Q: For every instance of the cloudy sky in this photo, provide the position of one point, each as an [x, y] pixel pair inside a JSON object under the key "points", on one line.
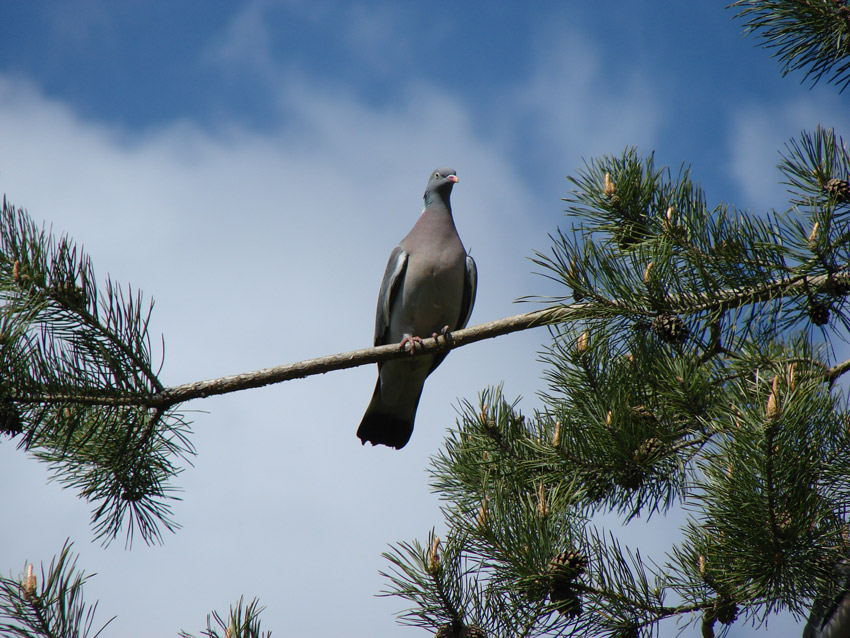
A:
{"points": [[250, 167]]}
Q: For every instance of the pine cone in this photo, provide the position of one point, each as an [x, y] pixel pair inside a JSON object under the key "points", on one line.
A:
{"points": [[725, 611], [629, 232], [535, 588], [567, 566], [466, 631], [563, 570], [631, 477], [566, 602], [818, 313], [644, 416], [69, 294], [839, 189], [836, 286], [670, 328], [648, 449]]}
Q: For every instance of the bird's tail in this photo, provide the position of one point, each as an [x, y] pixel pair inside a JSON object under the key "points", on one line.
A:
{"points": [[382, 425]]}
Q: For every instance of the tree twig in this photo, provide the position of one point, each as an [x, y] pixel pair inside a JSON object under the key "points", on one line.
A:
{"points": [[837, 370]]}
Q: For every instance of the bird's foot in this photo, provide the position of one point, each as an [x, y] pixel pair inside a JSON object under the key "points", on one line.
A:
{"points": [[445, 333], [415, 342]]}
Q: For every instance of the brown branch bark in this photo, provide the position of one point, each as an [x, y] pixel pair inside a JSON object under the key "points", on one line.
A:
{"points": [[722, 301], [321, 365], [837, 370]]}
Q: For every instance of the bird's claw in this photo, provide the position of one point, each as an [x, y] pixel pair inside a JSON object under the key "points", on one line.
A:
{"points": [[414, 343], [445, 333]]}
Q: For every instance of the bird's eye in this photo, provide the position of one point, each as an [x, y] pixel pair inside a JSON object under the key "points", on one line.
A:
{"points": [[436, 176]]}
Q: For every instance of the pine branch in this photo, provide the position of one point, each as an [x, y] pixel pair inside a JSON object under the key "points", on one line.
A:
{"points": [[55, 609], [837, 370], [139, 363], [243, 621], [354, 358], [51, 605], [812, 36], [718, 301]]}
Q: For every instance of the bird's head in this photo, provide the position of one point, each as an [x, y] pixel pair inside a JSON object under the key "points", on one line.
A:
{"points": [[440, 184]]}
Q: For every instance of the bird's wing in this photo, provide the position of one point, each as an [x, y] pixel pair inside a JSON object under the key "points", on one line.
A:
{"points": [[393, 276], [470, 287]]}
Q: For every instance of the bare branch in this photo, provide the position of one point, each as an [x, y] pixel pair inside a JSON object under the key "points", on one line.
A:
{"points": [[720, 301], [354, 358], [837, 370]]}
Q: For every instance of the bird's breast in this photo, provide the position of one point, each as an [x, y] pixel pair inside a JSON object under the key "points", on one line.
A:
{"points": [[431, 295]]}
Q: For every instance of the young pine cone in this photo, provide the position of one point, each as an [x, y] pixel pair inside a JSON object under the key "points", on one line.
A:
{"points": [[839, 189], [670, 328]]}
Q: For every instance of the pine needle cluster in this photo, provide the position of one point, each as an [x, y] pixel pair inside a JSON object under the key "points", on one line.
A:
{"points": [[812, 36], [700, 376], [49, 604], [242, 621], [79, 381]]}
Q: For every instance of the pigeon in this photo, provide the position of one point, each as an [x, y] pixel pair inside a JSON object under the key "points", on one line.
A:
{"points": [[428, 290]]}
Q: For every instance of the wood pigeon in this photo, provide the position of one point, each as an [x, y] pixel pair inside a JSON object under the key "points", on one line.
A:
{"points": [[428, 290]]}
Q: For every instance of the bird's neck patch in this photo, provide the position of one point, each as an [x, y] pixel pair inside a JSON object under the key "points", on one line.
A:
{"points": [[433, 198]]}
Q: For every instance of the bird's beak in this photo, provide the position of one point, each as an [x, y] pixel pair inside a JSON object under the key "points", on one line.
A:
{"points": [[452, 178]]}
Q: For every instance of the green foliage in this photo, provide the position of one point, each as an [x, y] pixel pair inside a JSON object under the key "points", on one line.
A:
{"points": [[813, 37], [442, 583], [55, 609], [79, 381], [699, 376], [243, 621], [51, 605]]}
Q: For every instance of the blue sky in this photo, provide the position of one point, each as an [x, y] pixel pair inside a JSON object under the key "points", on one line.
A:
{"points": [[251, 165]]}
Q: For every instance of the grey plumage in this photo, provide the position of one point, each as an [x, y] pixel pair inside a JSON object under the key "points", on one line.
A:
{"points": [[429, 284]]}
